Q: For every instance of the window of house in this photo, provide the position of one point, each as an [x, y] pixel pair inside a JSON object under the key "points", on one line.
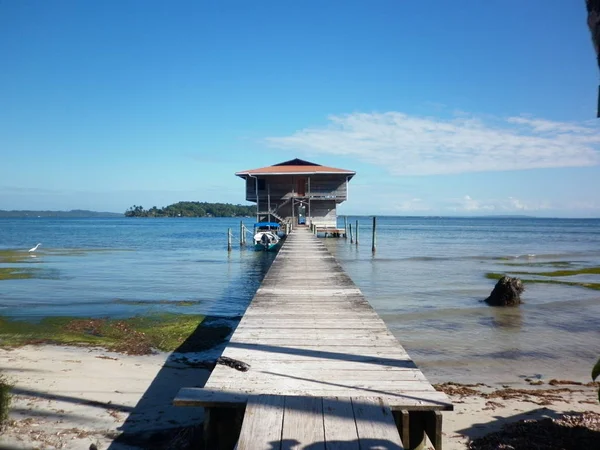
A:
{"points": [[262, 185]]}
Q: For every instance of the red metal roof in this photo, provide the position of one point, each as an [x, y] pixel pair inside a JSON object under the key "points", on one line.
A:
{"points": [[295, 166]]}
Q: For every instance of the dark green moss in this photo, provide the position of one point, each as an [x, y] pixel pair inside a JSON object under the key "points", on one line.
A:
{"points": [[566, 273]]}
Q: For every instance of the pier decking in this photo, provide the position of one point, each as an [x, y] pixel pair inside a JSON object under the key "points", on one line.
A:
{"points": [[310, 332]]}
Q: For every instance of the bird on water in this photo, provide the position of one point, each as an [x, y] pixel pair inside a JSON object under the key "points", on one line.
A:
{"points": [[34, 248]]}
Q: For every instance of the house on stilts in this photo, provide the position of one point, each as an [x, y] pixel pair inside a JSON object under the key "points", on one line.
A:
{"points": [[297, 192]]}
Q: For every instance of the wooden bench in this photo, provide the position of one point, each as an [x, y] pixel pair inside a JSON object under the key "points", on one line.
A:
{"points": [[312, 423]]}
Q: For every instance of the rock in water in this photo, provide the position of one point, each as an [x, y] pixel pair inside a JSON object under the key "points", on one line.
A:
{"points": [[507, 292]]}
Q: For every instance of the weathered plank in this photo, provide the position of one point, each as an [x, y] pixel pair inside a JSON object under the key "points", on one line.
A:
{"points": [[303, 422], [339, 424], [411, 401], [263, 423], [375, 424]]}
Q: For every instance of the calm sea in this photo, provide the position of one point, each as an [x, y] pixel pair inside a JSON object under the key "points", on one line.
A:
{"points": [[427, 280]]}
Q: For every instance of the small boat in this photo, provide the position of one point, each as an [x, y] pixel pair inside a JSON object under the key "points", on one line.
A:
{"points": [[266, 237]]}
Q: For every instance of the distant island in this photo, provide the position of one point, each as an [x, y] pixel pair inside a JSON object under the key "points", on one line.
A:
{"points": [[193, 209], [71, 213]]}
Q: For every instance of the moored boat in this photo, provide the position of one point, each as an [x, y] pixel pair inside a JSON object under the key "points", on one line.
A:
{"points": [[266, 237]]}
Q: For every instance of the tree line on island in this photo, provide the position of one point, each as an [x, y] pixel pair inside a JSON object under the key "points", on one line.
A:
{"points": [[193, 209]]}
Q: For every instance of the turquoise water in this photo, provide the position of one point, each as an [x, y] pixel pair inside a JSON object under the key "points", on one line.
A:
{"points": [[126, 266], [427, 280]]}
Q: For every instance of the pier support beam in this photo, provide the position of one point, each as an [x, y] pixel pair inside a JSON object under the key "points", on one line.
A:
{"points": [[222, 427]]}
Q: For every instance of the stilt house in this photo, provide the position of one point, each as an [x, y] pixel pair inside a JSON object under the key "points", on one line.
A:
{"points": [[297, 191]]}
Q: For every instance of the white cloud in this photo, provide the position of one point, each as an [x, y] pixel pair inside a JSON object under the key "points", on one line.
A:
{"points": [[469, 204], [413, 145], [502, 205]]}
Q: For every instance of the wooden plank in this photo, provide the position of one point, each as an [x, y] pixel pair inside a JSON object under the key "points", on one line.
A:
{"points": [[263, 423], [388, 350], [372, 356], [326, 341], [321, 387], [375, 424], [317, 336], [341, 376], [325, 364], [339, 425], [303, 422], [410, 401]]}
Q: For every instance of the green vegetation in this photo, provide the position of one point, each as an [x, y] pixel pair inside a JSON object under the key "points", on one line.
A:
{"points": [[193, 209], [136, 335], [14, 256], [21, 273], [71, 213], [13, 273], [595, 286], [5, 398], [565, 273]]}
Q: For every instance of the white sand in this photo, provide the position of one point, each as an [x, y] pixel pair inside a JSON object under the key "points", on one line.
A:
{"points": [[70, 397]]}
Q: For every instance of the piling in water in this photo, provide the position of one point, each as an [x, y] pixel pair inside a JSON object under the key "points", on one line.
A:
{"points": [[374, 240]]}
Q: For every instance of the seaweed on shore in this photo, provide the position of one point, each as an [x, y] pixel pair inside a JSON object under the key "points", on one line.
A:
{"points": [[136, 335], [568, 432]]}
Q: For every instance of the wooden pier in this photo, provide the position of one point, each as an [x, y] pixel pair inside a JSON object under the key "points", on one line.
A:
{"points": [[310, 333]]}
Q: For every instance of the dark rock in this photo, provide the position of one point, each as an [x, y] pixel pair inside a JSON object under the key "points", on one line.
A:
{"points": [[507, 292]]}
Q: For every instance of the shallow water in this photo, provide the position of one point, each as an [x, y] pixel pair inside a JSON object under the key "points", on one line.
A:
{"points": [[427, 280], [123, 267]]}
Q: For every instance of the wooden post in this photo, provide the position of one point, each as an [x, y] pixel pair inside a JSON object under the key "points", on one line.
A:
{"points": [[345, 226], [357, 232], [228, 239], [374, 240], [242, 233], [351, 238]]}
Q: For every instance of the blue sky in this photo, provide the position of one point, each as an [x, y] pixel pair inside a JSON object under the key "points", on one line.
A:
{"points": [[459, 108]]}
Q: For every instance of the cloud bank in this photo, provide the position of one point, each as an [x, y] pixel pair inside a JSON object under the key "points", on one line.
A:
{"points": [[412, 145]]}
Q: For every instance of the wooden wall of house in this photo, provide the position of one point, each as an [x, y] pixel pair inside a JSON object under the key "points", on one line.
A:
{"points": [[281, 187], [323, 213]]}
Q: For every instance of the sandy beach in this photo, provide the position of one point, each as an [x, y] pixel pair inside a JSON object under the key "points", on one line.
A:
{"points": [[73, 397]]}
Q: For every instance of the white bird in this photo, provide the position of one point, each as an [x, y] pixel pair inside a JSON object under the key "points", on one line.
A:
{"points": [[34, 248]]}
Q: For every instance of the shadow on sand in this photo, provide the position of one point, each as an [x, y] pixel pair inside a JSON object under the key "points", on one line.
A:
{"points": [[154, 423]]}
